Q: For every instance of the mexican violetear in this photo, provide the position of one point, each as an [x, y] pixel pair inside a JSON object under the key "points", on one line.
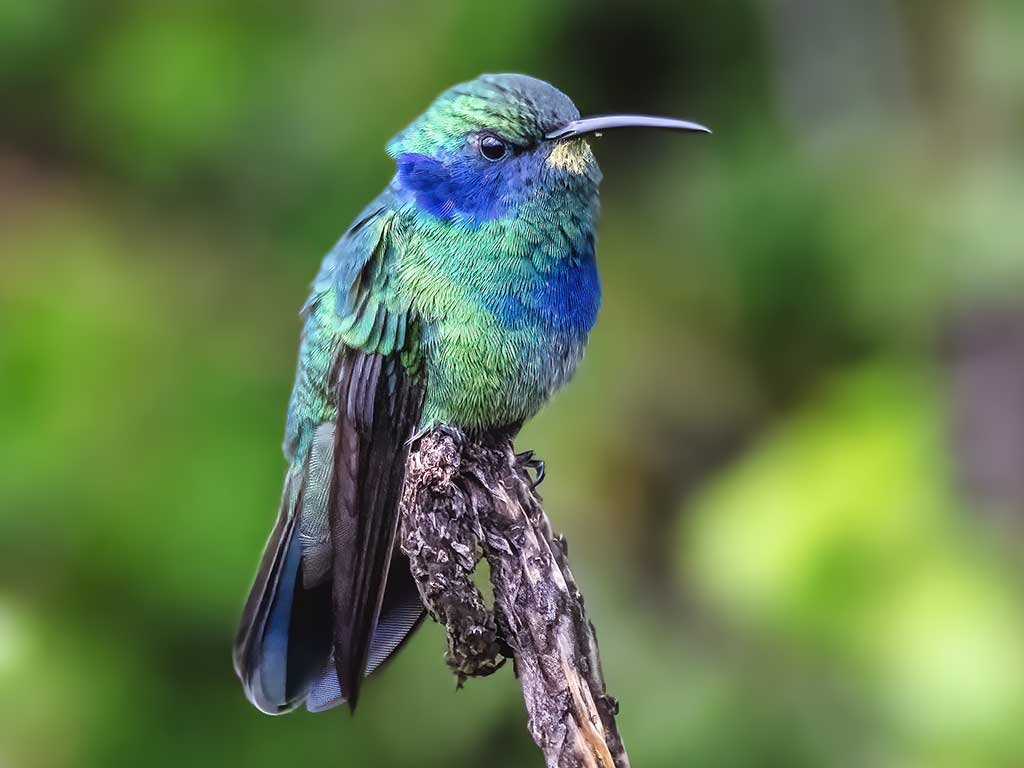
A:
{"points": [[462, 295]]}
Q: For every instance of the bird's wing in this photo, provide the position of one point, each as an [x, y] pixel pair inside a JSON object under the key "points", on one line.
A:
{"points": [[313, 624]]}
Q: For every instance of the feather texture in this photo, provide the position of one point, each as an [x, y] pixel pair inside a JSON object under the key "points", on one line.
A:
{"points": [[463, 294], [326, 579], [379, 405]]}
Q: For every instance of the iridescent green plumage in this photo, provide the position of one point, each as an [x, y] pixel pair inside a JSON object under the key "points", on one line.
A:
{"points": [[464, 294]]}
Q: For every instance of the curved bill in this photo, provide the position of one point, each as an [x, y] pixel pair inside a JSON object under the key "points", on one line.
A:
{"points": [[609, 122]]}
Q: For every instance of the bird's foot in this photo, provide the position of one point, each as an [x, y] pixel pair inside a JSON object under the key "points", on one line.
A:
{"points": [[527, 460]]}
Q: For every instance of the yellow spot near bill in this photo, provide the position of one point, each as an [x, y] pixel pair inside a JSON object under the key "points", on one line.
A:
{"points": [[574, 156]]}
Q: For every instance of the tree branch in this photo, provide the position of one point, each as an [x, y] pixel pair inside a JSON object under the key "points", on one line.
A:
{"points": [[470, 498]]}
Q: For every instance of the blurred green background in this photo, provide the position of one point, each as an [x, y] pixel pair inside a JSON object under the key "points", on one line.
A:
{"points": [[791, 466]]}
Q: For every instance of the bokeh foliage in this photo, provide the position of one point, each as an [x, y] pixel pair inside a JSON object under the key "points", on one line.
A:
{"points": [[759, 465]]}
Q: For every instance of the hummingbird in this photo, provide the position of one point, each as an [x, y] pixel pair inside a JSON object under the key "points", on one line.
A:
{"points": [[462, 295]]}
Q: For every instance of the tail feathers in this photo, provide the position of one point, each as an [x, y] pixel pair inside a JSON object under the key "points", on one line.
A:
{"points": [[283, 653], [400, 615], [285, 633], [295, 662], [272, 667], [261, 646]]}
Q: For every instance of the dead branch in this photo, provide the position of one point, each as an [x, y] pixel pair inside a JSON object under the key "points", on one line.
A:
{"points": [[470, 498]]}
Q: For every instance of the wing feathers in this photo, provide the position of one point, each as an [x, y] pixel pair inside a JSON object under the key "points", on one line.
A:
{"points": [[381, 423], [325, 603]]}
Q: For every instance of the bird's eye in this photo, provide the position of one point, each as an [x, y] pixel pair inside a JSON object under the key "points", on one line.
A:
{"points": [[492, 148]]}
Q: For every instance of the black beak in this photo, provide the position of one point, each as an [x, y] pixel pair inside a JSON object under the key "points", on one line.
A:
{"points": [[608, 122]]}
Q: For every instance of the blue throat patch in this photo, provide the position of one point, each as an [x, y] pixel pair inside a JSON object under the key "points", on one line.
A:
{"points": [[457, 186]]}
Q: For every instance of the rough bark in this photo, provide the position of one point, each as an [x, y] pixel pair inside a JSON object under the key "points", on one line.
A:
{"points": [[470, 498]]}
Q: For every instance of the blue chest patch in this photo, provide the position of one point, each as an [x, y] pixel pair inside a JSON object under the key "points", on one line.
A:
{"points": [[562, 301]]}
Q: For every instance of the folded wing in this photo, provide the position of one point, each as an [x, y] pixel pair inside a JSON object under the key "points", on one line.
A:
{"points": [[333, 597]]}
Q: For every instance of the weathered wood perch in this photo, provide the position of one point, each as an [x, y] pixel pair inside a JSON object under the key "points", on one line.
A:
{"points": [[470, 498]]}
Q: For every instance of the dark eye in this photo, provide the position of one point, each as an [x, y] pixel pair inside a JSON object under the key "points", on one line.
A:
{"points": [[492, 148]]}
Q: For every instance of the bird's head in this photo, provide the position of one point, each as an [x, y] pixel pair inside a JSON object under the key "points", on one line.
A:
{"points": [[486, 148]]}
